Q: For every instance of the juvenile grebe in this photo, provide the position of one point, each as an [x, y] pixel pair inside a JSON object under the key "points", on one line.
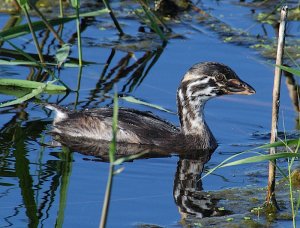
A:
{"points": [[202, 82]]}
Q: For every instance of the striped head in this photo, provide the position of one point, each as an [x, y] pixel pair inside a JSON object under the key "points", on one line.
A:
{"points": [[202, 82], [209, 79]]}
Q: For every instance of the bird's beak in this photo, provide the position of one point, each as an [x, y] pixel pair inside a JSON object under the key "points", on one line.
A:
{"points": [[235, 86]]}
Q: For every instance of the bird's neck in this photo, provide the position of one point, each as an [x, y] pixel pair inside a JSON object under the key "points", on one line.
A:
{"points": [[191, 116]]}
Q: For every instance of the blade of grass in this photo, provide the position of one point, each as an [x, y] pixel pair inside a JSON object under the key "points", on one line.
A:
{"points": [[153, 23], [136, 101], [36, 43], [29, 84], [224, 162], [78, 86], [286, 143], [289, 69], [21, 30], [76, 5], [291, 192], [29, 63], [48, 25], [253, 159], [113, 148], [289, 142], [261, 158], [28, 96], [32, 59], [61, 8], [112, 15], [298, 203], [112, 151], [66, 170]]}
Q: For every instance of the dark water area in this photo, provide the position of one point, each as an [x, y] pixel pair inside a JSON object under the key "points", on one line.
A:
{"points": [[46, 186]]}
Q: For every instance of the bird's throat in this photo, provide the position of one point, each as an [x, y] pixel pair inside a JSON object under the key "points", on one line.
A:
{"points": [[192, 120]]}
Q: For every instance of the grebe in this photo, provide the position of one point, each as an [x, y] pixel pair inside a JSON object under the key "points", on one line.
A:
{"points": [[202, 82]]}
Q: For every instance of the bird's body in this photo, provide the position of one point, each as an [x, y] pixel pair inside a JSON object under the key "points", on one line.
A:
{"points": [[98, 125], [202, 82]]}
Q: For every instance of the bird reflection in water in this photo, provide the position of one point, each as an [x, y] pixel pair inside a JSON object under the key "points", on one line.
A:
{"points": [[187, 191], [192, 202]]}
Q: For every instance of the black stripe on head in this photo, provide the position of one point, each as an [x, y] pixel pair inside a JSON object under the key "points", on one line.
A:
{"points": [[202, 86], [211, 68]]}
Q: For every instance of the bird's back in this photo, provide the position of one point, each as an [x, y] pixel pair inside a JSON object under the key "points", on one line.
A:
{"points": [[133, 126]]}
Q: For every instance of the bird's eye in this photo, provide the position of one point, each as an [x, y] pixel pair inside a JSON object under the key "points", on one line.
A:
{"points": [[220, 77]]}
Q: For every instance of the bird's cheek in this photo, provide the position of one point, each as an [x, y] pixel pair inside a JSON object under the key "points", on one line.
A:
{"points": [[221, 91]]}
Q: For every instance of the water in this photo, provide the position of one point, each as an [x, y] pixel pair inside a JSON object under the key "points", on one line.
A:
{"points": [[52, 187]]}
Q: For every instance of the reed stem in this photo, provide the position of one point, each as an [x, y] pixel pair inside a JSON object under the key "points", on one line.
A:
{"points": [[41, 57], [78, 33], [61, 8], [270, 199], [112, 15], [107, 196], [112, 151], [48, 25]]}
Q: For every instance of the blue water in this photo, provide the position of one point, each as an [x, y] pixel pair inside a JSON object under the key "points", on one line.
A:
{"points": [[143, 192]]}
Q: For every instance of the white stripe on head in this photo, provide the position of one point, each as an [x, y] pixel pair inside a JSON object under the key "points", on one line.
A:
{"points": [[59, 114]]}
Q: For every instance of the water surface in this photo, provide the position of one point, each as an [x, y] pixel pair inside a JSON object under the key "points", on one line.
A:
{"points": [[46, 186]]}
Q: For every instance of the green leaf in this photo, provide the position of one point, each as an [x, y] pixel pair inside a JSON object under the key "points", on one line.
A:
{"points": [[261, 158], [30, 84], [93, 13], [290, 70], [62, 54], [23, 3], [13, 91], [16, 63], [28, 96], [75, 3], [31, 63], [289, 142], [152, 19], [21, 30], [136, 101], [224, 162]]}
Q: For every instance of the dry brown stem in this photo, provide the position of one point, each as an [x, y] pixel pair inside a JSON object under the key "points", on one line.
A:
{"points": [[270, 199]]}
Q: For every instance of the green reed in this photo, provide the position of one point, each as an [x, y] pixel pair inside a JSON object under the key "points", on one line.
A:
{"points": [[113, 162], [76, 5], [112, 151], [24, 6], [113, 17], [65, 170], [152, 20]]}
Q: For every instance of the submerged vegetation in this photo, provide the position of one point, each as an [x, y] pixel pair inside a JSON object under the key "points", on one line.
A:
{"points": [[57, 47]]}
